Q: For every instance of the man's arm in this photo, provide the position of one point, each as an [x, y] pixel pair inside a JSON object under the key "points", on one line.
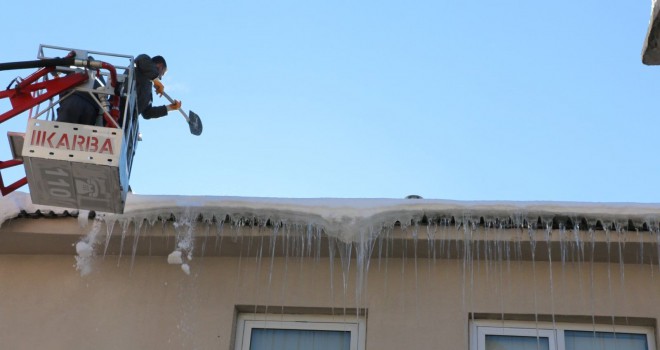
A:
{"points": [[152, 112]]}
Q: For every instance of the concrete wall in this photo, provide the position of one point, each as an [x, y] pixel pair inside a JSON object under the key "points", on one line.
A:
{"points": [[142, 302]]}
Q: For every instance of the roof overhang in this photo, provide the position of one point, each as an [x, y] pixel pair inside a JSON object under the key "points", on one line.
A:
{"points": [[154, 226], [343, 217], [651, 49]]}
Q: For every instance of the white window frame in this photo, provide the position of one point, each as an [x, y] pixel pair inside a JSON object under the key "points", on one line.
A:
{"points": [[483, 331], [356, 325], [555, 332]]}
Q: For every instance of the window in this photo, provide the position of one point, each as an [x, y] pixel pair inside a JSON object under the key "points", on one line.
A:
{"points": [[510, 335], [300, 332]]}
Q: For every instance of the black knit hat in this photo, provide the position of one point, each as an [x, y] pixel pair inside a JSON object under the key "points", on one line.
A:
{"points": [[159, 59]]}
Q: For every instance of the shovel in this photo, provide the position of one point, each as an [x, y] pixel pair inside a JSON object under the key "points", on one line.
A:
{"points": [[193, 120]]}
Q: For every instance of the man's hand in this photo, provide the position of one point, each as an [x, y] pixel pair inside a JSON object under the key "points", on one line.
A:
{"points": [[174, 106], [158, 86]]}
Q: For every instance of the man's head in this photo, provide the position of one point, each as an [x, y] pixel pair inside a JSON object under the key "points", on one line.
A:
{"points": [[161, 65]]}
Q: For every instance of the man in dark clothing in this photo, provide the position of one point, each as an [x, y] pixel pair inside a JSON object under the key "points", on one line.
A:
{"points": [[78, 108], [147, 71]]}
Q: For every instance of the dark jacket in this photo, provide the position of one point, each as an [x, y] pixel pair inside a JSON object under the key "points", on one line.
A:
{"points": [[80, 107], [145, 72]]}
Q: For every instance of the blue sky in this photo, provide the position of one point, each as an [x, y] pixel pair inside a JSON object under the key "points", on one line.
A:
{"points": [[460, 100]]}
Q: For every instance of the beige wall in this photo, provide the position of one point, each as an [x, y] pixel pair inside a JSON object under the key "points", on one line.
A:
{"points": [[142, 302]]}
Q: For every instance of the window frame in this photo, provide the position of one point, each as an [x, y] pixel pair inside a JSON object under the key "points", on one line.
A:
{"points": [[245, 322], [483, 331], [480, 328]]}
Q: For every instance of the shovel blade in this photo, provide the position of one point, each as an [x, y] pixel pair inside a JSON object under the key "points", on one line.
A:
{"points": [[195, 123]]}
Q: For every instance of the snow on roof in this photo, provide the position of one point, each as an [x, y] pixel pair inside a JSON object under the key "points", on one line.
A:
{"points": [[345, 218]]}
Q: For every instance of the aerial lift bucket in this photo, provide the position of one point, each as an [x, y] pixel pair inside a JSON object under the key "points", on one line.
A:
{"points": [[76, 166], [73, 165]]}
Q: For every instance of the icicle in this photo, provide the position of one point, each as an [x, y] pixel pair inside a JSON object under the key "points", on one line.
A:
{"points": [[415, 243], [207, 231], [500, 268], [564, 246], [124, 230], [83, 218], [361, 257], [285, 252], [622, 237], [332, 244], [366, 247], [109, 225], [431, 230], [657, 246], [345, 250], [592, 245], [388, 239], [608, 241], [531, 232], [273, 243], [548, 240], [578, 256], [220, 226], [258, 261], [136, 236], [468, 264]]}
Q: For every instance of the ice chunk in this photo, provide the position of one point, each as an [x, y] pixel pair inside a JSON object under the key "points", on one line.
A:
{"points": [[175, 258]]}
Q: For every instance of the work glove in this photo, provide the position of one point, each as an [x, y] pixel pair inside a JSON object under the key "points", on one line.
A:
{"points": [[158, 86], [174, 105]]}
